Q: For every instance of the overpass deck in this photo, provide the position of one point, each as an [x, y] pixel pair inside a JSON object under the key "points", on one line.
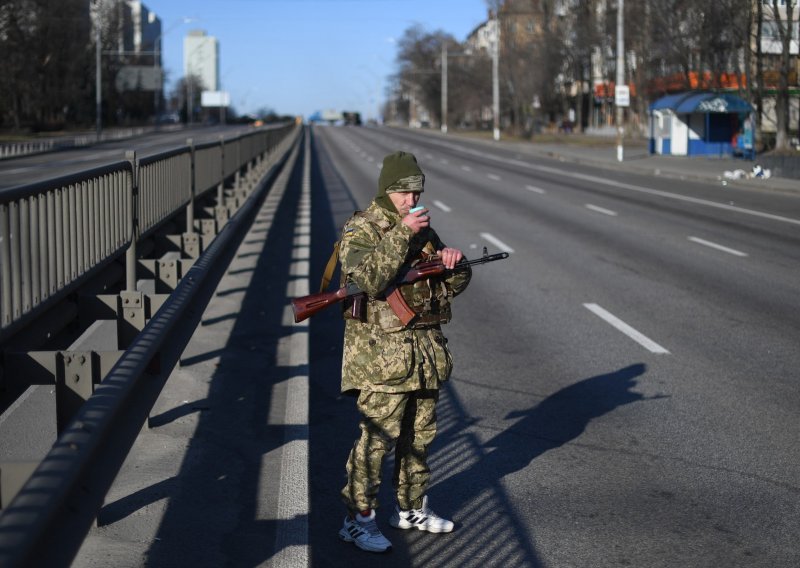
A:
{"points": [[217, 477]]}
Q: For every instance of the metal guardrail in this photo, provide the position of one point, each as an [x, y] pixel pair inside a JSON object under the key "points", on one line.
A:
{"points": [[31, 147], [56, 233], [47, 520], [17, 149]]}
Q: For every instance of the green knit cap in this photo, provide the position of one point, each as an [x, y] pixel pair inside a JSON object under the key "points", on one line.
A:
{"points": [[400, 172]]}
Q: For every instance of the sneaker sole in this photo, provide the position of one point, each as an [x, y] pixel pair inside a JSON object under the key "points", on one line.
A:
{"points": [[405, 525], [344, 537]]}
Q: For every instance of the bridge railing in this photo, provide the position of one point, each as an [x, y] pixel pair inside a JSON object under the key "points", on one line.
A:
{"points": [[52, 233], [46, 517], [55, 234]]}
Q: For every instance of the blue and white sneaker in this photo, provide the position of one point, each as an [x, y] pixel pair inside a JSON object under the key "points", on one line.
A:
{"points": [[423, 519], [364, 533]]}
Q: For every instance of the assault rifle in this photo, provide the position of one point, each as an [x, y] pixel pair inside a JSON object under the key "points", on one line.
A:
{"points": [[306, 306]]}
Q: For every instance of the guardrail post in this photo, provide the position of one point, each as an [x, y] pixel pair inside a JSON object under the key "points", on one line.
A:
{"points": [[74, 384], [5, 267], [133, 207], [131, 309], [190, 240], [26, 259], [221, 212], [190, 206]]}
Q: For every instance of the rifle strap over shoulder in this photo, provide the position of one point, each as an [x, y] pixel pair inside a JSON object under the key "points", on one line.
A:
{"points": [[330, 267], [334, 259]]}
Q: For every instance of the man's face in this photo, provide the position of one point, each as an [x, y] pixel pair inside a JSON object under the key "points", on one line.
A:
{"points": [[404, 200]]}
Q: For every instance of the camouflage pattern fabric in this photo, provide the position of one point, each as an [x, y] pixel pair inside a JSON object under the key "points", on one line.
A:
{"points": [[410, 183], [405, 422], [381, 354], [396, 371]]}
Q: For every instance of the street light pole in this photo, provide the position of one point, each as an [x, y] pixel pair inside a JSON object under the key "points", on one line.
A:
{"points": [[495, 78], [444, 87], [98, 74], [157, 68], [620, 73]]}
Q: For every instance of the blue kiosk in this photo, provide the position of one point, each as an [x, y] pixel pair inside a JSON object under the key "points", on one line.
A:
{"points": [[701, 123]]}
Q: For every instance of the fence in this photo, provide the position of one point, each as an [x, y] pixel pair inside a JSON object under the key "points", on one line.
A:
{"points": [[55, 234], [45, 521]]}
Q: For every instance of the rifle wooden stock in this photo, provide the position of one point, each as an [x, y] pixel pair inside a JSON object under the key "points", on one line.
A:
{"points": [[306, 306]]}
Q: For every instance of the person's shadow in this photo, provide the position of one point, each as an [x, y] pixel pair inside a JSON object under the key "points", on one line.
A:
{"points": [[555, 421]]}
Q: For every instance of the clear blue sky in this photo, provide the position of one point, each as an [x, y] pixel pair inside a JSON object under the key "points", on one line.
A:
{"points": [[301, 56]]}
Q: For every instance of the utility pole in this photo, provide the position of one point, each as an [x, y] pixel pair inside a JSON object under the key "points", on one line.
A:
{"points": [[495, 78], [444, 87], [98, 72], [620, 75]]}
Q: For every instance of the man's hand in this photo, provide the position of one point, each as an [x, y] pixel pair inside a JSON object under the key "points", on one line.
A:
{"points": [[450, 257], [417, 220]]}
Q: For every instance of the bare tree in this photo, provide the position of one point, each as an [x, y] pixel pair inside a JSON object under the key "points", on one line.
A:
{"points": [[45, 52], [187, 93], [784, 23], [419, 60]]}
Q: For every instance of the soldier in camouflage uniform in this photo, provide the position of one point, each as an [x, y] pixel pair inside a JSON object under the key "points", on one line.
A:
{"points": [[394, 369]]}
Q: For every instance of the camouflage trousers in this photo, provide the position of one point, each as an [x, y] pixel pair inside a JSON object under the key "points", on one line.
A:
{"points": [[404, 421]]}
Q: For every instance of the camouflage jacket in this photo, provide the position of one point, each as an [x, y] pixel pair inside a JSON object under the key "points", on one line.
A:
{"points": [[375, 247]]}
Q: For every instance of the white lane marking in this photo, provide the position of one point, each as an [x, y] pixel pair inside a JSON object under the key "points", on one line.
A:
{"points": [[684, 198], [638, 337], [445, 161], [704, 242], [620, 185], [535, 189], [442, 206], [466, 168], [601, 210], [495, 177], [496, 242], [291, 533]]}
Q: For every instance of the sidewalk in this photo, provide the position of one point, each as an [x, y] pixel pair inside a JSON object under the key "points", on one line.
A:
{"points": [[209, 480], [602, 152]]}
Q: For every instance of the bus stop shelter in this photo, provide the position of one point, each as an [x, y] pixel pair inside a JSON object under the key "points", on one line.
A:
{"points": [[700, 123]]}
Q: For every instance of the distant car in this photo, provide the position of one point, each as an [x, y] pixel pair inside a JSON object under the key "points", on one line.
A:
{"points": [[168, 118]]}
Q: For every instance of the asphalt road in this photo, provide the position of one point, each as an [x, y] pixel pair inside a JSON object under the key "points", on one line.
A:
{"points": [[30, 169], [624, 391], [625, 388]]}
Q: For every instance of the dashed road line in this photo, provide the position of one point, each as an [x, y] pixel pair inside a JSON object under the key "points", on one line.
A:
{"points": [[621, 185], [620, 325], [442, 206], [704, 242], [535, 189], [291, 533], [496, 242], [495, 177], [466, 168], [601, 210]]}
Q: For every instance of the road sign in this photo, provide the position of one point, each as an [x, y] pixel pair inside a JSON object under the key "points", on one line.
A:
{"points": [[622, 96]]}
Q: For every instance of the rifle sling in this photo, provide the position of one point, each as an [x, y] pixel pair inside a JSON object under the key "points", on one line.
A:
{"points": [[329, 268]]}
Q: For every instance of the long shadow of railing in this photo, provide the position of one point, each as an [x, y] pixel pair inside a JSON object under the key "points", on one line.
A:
{"points": [[214, 510], [215, 503], [334, 419]]}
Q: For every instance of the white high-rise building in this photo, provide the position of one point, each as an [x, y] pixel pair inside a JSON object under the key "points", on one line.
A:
{"points": [[201, 58]]}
